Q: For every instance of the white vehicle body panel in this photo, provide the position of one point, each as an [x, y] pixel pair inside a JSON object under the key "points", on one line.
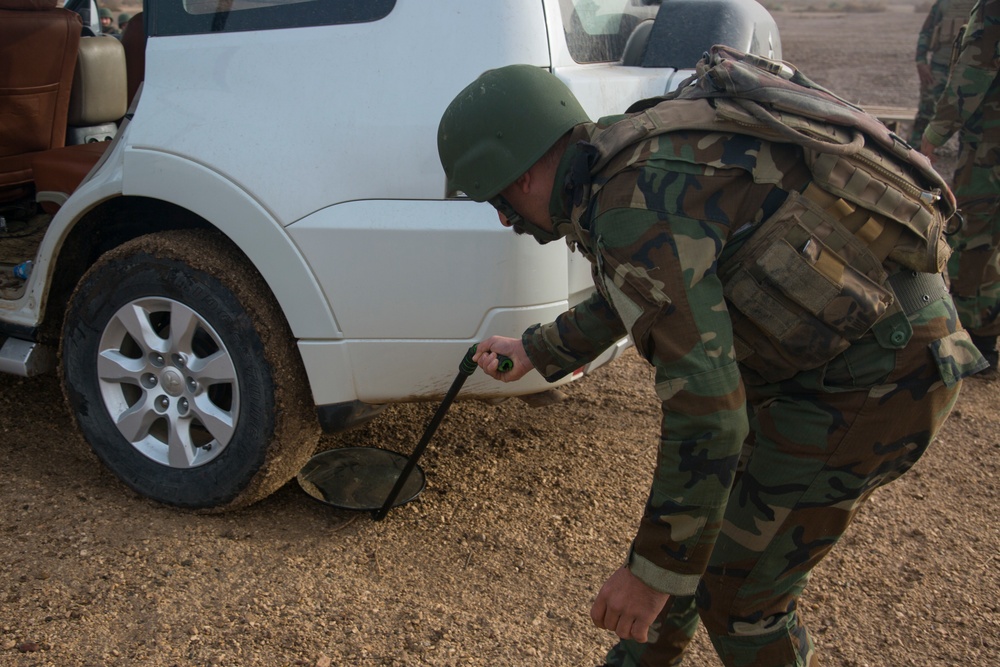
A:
{"points": [[293, 141], [314, 150], [441, 274], [357, 120]]}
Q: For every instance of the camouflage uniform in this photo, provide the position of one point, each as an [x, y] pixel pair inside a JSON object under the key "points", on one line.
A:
{"points": [[755, 480], [970, 105], [935, 44]]}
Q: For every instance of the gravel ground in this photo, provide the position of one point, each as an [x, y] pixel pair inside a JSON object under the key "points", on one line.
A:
{"points": [[525, 514]]}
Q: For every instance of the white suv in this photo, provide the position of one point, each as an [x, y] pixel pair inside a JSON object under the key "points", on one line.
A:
{"points": [[268, 236]]}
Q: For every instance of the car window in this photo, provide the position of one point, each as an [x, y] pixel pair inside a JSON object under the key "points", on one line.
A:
{"points": [[191, 17], [215, 6], [597, 30]]}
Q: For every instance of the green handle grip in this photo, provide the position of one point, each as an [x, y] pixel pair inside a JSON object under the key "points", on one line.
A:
{"points": [[468, 366]]}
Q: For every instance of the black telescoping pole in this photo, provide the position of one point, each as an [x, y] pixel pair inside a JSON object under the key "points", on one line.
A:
{"points": [[465, 369]]}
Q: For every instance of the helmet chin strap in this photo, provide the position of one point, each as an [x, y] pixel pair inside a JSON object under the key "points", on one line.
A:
{"points": [[560, 228]]}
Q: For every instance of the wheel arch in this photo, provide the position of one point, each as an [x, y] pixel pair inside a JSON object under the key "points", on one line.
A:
{"points": [[102, 228], [149, 207]]}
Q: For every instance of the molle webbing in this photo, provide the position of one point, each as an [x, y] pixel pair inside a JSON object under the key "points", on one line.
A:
{"points": [[877, 236], [888, 199], [903, 201]]}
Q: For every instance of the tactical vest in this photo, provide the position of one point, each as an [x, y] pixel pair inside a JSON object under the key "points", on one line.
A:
{"points": [[954, 15], [812, 277]]}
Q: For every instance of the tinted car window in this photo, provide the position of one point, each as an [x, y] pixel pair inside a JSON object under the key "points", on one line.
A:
{"points": [[191, 17], [596, 30]]}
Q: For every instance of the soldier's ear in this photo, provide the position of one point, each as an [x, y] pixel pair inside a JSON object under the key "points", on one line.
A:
{"points": [[524, 182]]}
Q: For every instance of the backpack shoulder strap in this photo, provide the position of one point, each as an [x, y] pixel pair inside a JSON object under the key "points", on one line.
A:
{"points": [[774, 100]]}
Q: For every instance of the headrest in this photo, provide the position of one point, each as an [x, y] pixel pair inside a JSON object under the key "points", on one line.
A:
{"points": [[28, 5]]}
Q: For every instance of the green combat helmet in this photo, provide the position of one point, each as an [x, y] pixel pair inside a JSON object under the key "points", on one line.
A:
{"points": [[500, 125]]}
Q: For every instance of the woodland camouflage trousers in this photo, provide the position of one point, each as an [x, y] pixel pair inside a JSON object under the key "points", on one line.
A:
{"points": [[819, 445], [974, 267]]}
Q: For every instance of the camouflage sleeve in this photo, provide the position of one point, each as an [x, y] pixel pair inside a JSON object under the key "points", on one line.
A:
{"points": [[927, 32], [661, 280], [574, 339], [972, 74], [658, 233]]}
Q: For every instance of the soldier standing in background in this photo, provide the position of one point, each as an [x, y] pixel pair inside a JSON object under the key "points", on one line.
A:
{"points": [[970, 105], [934, 50], [108, 23]]}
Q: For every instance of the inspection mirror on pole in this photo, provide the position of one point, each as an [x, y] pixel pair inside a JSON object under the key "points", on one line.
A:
{"points": [[372, 479], [359, 478]]}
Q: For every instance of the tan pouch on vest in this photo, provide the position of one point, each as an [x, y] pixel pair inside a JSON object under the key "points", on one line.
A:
{"points": [[808, 284]]}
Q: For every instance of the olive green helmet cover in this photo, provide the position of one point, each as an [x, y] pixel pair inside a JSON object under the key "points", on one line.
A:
{"points": [[499, 126]]}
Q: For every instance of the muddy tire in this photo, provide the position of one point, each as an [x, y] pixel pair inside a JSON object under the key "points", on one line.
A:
{"points": [[183, 375]]}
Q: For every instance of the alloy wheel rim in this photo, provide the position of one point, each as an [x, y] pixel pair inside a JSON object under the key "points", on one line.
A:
{"points": [[168, 382]]}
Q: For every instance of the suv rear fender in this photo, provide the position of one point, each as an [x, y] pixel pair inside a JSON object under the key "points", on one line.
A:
{"points": [[166, 178], [252, 228]]}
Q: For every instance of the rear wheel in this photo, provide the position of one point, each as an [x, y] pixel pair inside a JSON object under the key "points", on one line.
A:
{"points": [[184, 376]]}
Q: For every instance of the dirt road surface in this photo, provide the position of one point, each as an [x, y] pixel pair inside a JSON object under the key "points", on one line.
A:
{"points": [[526, 512]]}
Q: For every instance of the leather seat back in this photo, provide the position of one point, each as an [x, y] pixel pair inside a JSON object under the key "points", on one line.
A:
{"points": [[38, 51], [134, 41], [99, 83]]}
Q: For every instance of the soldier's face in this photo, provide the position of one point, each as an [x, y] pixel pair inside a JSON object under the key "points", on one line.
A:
{"points": [[508, 216], [518, 205], [537, 223]]}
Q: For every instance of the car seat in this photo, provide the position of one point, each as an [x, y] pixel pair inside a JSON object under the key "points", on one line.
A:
{"points": [[134, 41], [38, 49], [103, 94]]}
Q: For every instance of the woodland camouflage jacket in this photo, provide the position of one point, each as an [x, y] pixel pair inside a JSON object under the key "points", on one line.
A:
{"points": [[658, 229], [971, 99], [662, 218]]}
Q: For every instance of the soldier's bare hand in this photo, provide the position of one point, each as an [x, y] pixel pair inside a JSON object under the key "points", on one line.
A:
{"points": [[627, 606], [486, 357]]}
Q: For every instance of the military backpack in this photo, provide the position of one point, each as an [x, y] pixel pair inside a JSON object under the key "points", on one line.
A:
{"points": [[815, 275]]}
